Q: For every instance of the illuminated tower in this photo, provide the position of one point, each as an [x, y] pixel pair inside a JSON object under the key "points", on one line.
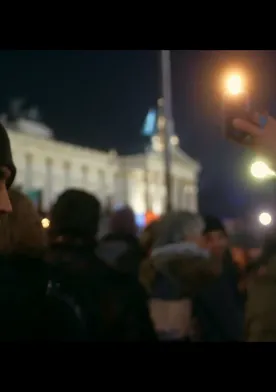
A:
{"points": [[158, 139]]}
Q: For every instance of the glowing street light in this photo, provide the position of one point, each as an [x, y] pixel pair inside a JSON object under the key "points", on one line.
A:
{"points": [[260, 170], [45, 223], [234, 84], [265, 219]]}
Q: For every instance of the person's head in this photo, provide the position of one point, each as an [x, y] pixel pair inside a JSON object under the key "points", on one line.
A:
{"points": [[75, 215], [148, 235], [215, 236], [122, 221], [7, 171], [179, 226], [21, 231]]}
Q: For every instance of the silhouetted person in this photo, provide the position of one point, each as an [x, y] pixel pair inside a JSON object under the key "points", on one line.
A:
{"points": [[109, 304]]}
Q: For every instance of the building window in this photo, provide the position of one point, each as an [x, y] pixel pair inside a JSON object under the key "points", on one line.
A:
{"points": [[190, 198], [84, 176], [48, 182], [101, 180], [67, 175], [185, 197], [28, 172]]}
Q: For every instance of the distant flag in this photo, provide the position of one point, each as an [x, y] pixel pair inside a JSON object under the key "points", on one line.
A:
{"points": [[149, 126]]}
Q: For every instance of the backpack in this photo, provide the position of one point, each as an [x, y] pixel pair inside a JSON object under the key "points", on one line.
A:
{"points": [[60, 301]]}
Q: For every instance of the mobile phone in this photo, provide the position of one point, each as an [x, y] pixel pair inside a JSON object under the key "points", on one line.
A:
{"points": [[236, 106]]}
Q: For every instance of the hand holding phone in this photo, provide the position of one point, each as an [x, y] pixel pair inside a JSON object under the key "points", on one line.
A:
{"points": [[237, 106], [263, 134]]}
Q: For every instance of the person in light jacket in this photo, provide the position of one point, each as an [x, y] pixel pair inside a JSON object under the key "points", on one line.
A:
{"points": [[181, 268]]}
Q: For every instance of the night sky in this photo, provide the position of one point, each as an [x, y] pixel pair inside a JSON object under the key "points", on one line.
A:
{"points": [[100, 99]]}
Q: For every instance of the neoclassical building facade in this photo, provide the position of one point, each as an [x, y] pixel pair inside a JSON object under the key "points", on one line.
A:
{"points": [[46, 167]]}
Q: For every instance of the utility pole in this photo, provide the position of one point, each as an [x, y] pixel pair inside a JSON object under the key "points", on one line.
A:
{"points": [[146, 173], [166, 108]]}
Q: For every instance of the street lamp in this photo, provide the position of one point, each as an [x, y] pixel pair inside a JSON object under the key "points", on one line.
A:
{"points": [[45, 223], [260, 170], [234, 84], [265, 219]]}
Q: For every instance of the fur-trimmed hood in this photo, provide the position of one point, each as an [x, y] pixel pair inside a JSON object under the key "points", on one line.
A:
{"points": [[186, 265]]}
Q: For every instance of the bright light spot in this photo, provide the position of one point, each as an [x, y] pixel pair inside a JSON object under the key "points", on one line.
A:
{"points": [[234, 84], [261, 170], [174, 140], [265, 218], [45, 223], [161, 122], [157, 144]]}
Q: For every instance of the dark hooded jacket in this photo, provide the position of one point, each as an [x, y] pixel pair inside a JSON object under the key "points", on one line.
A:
{"points": [[26, 312], [181, 270], [261, 292], [260, 323], [113, 305], [219, 307], [122, 252]]}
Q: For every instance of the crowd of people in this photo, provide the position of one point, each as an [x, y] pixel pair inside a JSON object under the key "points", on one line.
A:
{"points": [[175, 281]]}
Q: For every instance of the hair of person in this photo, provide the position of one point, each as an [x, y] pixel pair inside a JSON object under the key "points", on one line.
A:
{"points": [[21, 231], [122, 221], [148, 235], [178, 226], [212, 223], [6, 155], [75, 214]]}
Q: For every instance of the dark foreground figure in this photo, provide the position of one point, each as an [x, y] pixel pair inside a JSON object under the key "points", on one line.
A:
{"points": [[110, 304]]}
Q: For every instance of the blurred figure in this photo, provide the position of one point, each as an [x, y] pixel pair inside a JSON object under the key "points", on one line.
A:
{"points": [[7, 171], [149, 236], [26, 311], [181, 268], [111, 306], [215, 236], [123, 222], [219, 308], [147, 239], [21, 231], [121, 248], [217, 242], [261, 291]]}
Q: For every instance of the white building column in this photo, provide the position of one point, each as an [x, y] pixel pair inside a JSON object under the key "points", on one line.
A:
{"points": [[28, 172], [174, 181], [48, 185], [191, 197]]}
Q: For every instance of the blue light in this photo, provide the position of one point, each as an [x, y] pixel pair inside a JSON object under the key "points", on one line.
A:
{"points": [[140, 220], [150, 123]]}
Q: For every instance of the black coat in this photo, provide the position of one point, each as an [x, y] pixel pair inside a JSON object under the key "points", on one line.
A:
{"points": [[219, 307], [114, 304], [26, 312], [122, 252]]}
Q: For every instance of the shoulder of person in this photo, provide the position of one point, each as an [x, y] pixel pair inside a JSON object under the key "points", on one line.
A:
{"points": [[60, 321]]}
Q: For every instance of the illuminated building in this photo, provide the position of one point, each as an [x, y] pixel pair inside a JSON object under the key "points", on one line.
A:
{"points": [[140, 190], [46, 167]]}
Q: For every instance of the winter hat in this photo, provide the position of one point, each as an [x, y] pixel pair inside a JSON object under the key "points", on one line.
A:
{"points": [[6, 154], [213, 224], [123, 221], [76, 214]]}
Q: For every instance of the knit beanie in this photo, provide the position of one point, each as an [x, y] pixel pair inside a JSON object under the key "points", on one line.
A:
{"points": [[213, 224], [76, 213], [123, 221]]}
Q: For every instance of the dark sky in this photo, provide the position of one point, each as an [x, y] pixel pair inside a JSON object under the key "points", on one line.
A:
{"points": [[100, 99]]}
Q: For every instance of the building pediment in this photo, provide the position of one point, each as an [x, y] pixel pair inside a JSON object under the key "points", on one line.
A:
{"points": [[178, 155]]}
